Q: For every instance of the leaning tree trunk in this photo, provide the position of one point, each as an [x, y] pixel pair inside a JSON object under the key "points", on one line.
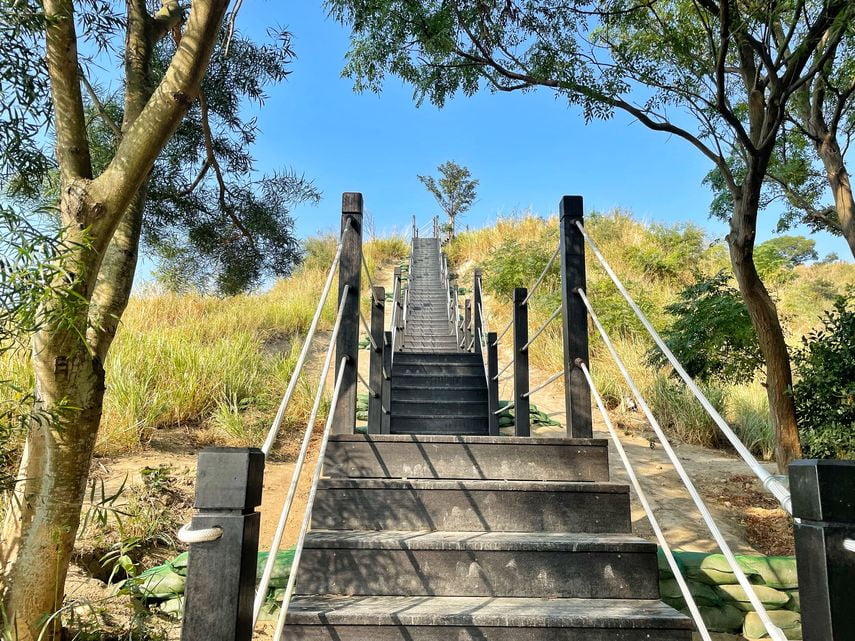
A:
{"points": [[838, 179], [767, 326]]}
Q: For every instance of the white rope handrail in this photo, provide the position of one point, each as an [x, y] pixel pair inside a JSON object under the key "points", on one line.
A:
{"points": [[298, 467], [544, 384], [483, 343], [301, 360], [502, 371], [773, 630], [203, 535], [368, 332], [367, 386], [642, 498], [542, 275], [542, 327], [504, 331], [772, 484], [310, 502], [367, 271], [506, 407]]}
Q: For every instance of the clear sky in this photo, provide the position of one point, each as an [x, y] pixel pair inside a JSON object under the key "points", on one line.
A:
{"points": [[527, 150]]}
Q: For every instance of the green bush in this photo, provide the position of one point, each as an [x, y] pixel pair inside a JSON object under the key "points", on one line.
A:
{"points": [[825, 392], [712, 335], [679, 412]]}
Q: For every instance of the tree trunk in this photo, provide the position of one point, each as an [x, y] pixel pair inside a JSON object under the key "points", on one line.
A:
{"points": [[40, 528], [838, 179], [767, 326]]}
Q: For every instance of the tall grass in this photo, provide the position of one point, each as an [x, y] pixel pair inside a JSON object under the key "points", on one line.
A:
{"points": [[216, 367], [655, 262]]}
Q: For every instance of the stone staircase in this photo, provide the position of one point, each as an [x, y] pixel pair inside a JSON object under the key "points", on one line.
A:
{"points": [[436, 534], [436, 387]]}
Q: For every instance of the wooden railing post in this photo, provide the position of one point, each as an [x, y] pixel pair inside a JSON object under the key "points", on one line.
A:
{"points": [[492, 384], [823, 495], [467, 324], [477, 325], [220, 586], [386, 393], [398, 302], [522, 404], [375, 366], [577, 394], [347, 345]]}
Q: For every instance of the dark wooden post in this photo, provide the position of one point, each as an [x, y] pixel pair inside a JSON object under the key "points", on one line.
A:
{"points": [[824, 511], [375, 366], [492, 384], [386, 418], [522, 404], [477, 325], [220, 585], [467, 324], [399, 304], [577, 395], [347, 345]]}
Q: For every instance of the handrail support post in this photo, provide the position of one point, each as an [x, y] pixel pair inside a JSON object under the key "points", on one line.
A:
{"points": [[522, 404], [492, 384], [375, 367], [577, 394]]}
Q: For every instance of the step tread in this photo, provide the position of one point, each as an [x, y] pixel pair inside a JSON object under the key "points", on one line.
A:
{"points": [[450, 438], [484, 611], [474, 485], [477, 541]]}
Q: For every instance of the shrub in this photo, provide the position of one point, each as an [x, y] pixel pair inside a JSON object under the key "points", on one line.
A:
{"points": [[825, 392], [712, 335], [679, 412]]}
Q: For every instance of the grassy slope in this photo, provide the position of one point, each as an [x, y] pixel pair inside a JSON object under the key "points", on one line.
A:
{"points": [[216, 365], [655, 262]]}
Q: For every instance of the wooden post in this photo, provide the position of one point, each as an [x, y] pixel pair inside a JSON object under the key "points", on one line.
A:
{"points": [[386, 417], [522, 404], [492, 384], [467, 324], [375, 369], [824, 511], [398, 291], [477, 325], [577, 395], [347, 345], [220, 586]]}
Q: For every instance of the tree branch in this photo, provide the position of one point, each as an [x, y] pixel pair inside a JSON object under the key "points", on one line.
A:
{"points": [[72, 144], [99, 106]]}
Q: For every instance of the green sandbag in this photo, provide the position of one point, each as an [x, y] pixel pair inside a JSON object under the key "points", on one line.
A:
{"points": [[790, 622], [281, 567], [706, 568], [173, 607], [664, 568], [723, 618], [794, 603], [703, 593], [162, 584], [179, 564], [777, 572], [505, 421], [771, 598]]}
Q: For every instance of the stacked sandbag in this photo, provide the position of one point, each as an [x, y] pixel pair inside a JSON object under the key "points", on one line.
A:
{"points": [[537, 417], [723, 603], [163, 586]]}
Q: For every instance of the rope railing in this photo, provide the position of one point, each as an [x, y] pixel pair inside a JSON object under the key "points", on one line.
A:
{"points": [[367, 329], [542, 328], [542, 275], [648, 511], [774, 631], [301, 359], [503, 370], [769, 481], [504, 331], [549, 380], [267, 572], [310, 502], [366, 269], [506, 407]]}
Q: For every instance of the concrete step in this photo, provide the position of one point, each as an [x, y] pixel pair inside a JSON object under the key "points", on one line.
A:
{"points": [[471, 506], [467, 457], [447, 393], [439, 424], [476, 379], [440, 358], [436, 369], [402, 618], [498, 564], [427, 407]]}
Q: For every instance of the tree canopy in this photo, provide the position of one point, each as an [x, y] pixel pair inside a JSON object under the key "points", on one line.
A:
{"points": [[454, 190]]}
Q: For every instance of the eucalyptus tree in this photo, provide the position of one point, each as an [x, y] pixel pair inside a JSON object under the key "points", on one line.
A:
{"points": [[717, 74], [454, 190], [118, 168]]}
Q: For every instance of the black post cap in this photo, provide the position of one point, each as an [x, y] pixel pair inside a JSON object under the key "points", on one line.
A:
{"points": [[570, 206], [229, 478], [823, 490]]}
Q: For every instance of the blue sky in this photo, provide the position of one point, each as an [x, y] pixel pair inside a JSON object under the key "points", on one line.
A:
{"points": [[527, 150]]}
